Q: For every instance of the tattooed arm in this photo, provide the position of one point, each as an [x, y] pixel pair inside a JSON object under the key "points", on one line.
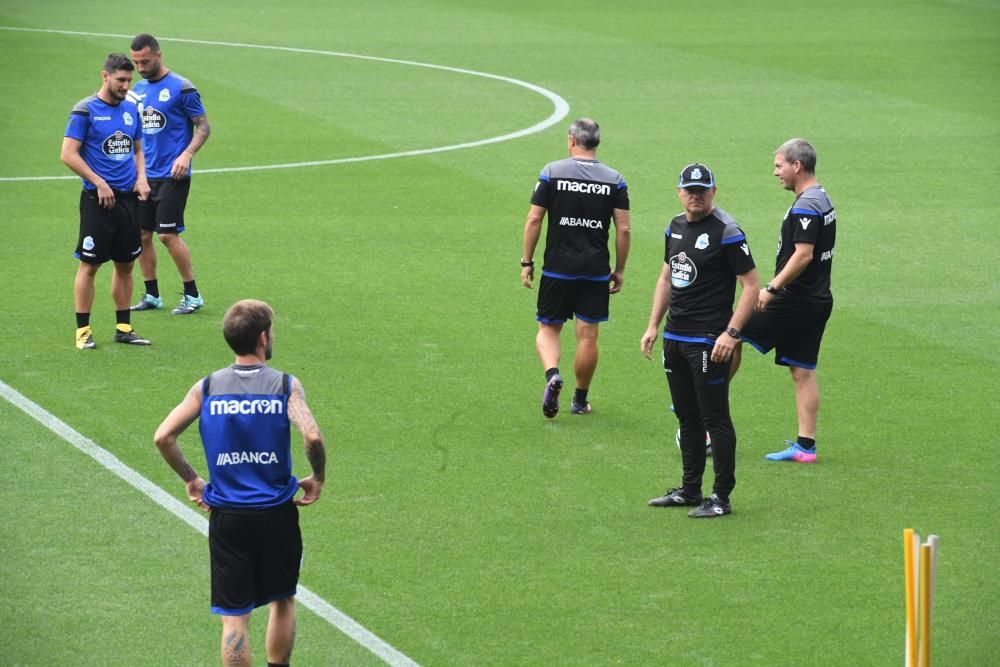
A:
{"points": [[166, 441], [179, 169], [302, 417]]}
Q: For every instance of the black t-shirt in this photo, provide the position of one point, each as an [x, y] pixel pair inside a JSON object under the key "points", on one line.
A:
{"points": [[810, 219], [580, 197], [704, 259]]}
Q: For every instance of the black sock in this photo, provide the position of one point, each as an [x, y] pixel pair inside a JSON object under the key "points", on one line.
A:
{"points": [[190, 288], [549, 373], [580, 397], [123, 316], [807, 443], [82, 320], [277, 664], [152, 287]]}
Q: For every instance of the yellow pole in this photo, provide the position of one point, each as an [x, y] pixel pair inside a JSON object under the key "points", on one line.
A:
{"points": [[911, 603]]}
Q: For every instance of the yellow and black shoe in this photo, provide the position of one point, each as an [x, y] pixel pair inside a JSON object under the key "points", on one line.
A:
{"points": [[85, 338], [124, 333]]}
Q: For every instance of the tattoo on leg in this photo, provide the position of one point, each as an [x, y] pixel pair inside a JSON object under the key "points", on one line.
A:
{"points": [[235, 646]]}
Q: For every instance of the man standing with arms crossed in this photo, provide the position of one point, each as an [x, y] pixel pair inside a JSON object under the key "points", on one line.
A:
{"points": [[793, 308], [582, 197], [103, 146], [174, 127], [706, 253], [253, 535]]}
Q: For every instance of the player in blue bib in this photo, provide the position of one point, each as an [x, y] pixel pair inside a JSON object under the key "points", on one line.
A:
{"points": [[254, 540], [174, 127], [103, 146]]}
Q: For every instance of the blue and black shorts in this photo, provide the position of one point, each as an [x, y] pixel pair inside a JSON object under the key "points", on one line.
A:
{"points": [[108, 233], [163, 212], [561, 299], [256, 554], [790, 327]]}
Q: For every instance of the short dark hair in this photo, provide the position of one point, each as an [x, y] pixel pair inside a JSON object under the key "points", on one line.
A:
{"points": [[799, 150], [586, 132], [142, 41], [117, 61], [244, 322]]}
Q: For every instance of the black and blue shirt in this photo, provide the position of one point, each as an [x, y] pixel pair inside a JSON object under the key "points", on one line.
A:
{"points": [[810, 219], [580, 197], [704, 258]]}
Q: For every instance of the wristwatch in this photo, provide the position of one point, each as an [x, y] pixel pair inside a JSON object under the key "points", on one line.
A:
{"points": [[771, 288], [733, 331], [526, 263]]}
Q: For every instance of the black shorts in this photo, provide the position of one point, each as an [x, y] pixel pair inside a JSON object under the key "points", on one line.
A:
{"points": [[163, 212], [256, 556], [108, 233], [559, 300], [792, 328]]}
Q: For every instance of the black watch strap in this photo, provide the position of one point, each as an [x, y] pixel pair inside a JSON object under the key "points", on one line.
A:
{"points": [[771, 288], [733, 331], [526, 263]]}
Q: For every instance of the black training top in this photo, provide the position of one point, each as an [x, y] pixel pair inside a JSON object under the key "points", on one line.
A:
{"points": [[580, 197]]}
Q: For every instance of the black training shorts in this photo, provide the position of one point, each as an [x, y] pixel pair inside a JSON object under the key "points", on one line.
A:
{"points": [[559, 300], [791, 327], [108, 233], [256, 554], [163, 212]]}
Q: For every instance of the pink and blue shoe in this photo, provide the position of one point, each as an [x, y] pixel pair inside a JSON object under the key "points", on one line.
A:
{"points": [[795, 452]]}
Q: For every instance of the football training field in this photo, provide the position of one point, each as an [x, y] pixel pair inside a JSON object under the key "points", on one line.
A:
{"points": [[368, 174]]}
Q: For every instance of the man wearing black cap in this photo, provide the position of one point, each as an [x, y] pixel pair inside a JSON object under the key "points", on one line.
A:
{"points": [[706, 252]]}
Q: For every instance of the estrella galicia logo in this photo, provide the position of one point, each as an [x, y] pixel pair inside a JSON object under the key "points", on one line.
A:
{"points": [[683, 272], [701, 242], [152, 120], [118, 146]]}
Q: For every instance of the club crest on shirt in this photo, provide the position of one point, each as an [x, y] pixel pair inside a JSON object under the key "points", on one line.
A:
{"points": [[127, 118], [701, 242], [164, 95], [683, 271]]}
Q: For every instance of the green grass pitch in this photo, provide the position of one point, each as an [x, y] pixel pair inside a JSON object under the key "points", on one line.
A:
{"points": [[458, 524]]}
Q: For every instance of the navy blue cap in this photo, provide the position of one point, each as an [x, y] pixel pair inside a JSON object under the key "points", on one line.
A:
{"points": [[696, 175]]}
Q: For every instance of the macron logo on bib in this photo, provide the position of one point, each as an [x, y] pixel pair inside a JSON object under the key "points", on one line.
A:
{"points": [[271, 406]]}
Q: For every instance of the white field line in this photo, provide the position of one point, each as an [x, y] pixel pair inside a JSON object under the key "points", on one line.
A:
{"points": [[310, 600], [559, 112]]}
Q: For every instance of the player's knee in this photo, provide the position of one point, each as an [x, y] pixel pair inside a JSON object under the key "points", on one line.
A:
{"points": [[169, 240]]}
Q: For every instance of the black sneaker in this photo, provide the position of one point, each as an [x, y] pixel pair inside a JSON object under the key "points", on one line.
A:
{"points": [[711, 508], [130, 337], [550, 399], [675, 498]]}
